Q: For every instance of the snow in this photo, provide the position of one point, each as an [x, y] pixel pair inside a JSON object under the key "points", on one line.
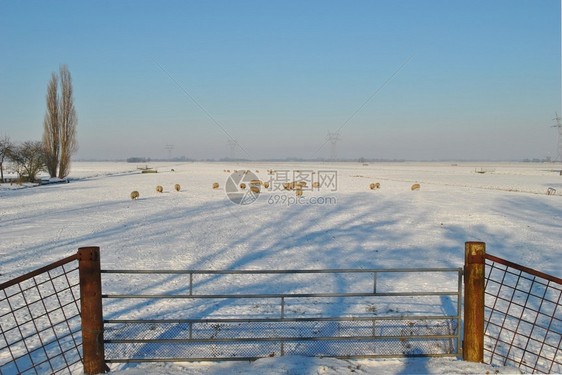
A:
{"points": [[295, 365], [344, 225]]}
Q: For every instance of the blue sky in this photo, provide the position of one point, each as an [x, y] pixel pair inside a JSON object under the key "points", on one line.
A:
{"points": [[408, 79]]}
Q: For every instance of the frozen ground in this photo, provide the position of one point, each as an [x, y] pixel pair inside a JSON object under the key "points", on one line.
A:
{"points": [[344, 225]]}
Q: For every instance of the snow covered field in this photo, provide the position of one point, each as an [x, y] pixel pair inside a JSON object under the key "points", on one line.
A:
{"points": [[343, 225]]}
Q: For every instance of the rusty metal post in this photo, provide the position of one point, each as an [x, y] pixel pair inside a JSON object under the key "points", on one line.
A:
{"points": [[91, 310], [474, 283]]}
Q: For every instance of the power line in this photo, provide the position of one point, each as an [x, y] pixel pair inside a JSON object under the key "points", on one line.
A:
{"points": [[218, 124], [375, 93]]}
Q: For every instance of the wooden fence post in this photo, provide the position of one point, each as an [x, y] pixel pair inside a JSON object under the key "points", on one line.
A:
{"points": [[91, 310], [474, 283]]}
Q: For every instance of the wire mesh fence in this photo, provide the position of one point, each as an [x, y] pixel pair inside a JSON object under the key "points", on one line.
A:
{"points": [[523, 317], [40, 321], [245, 315]]}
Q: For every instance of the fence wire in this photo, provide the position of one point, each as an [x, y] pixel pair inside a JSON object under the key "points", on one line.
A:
{"points": [[523, 317], [40, 321]]}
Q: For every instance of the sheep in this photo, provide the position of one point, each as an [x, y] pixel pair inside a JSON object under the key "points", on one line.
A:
{"points": [[255, 182], [159, 189], [215, 185], [242, 186], [316, 185], [177, 187], [266, 185], [294, 185], [134, 195], [551, 191], [298, 192], [415, 187], [375, 185], [255, 189]]}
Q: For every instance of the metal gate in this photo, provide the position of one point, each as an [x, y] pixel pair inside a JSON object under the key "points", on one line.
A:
{"points": [[198, 315], [40, 326], [523, 317]]}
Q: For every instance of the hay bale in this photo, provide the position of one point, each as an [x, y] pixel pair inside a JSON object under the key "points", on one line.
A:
{"points": [[135, 195], [215, 185], [159, 189], [177, 187], [415, 187]]}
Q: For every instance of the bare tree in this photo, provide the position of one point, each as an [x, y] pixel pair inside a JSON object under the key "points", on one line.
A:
{"points": [[29, 160], [6, 148], [59, 125], [68, 121], [51, 127]]}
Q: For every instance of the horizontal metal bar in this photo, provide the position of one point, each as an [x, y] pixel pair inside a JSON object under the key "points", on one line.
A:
{"points": [[195, 359], [277, 339], [250, 359], [281, 320], [267, 272], [295, 295]]}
